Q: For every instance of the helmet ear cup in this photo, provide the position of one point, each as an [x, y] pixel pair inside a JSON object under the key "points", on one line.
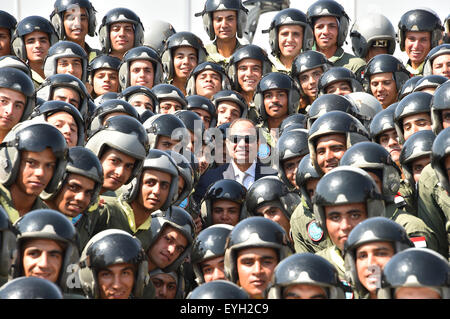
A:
{"points": [[208, 25], [58, 24], [343, 29], [19, 48], [103, 35]]}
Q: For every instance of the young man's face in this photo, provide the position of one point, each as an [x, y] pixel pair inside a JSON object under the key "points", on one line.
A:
{"points": [[165, 286], [67, 125], [42, 258], [416, 293], [370, 260], [12, 105], [227, 112], [184, 61], [155, 187], [141, 100], [389, 140], [290, 168], [249, 72], [341, 219], [204, 115], [311, 186], [276, 103], [37, 44], [255, 267], [383, 88], [417, 45], [5, 42], [225, 212], [309, 81], [142, 73], [67, 95], [225, 24], [213, 269], [329, 151], [326, 32], [117, 168], [418, 165], [441, 65], [208, 83], [290, 40], [168, 106], [168, 247], [121, 35], [446, 118], [275, 214], [116, 281], [75, 195], [76, 24], [339, 88], [73, 66], [105, 80], [415, 123], [35, 171], [304, 291]]}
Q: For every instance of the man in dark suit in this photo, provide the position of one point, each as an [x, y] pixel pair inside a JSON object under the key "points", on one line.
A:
{"points": [[244, 165]]}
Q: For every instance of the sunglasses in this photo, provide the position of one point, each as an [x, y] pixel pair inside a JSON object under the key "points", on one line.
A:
{"points": [[235, 139]]}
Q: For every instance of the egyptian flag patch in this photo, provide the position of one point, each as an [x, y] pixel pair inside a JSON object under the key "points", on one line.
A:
{"points": [[315, 232], [419, 242]]}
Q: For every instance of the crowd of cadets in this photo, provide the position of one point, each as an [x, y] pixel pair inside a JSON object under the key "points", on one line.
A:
{"points": [[166, 168]]}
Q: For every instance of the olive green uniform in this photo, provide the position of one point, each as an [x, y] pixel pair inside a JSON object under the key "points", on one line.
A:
{"points": [[412, 71], [37, 79], [409, 195], [216, 57], [278, 66], [349, 61], [434, 208]]}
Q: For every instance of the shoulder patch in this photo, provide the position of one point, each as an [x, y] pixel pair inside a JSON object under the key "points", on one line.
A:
{"points": [[315, 232]]}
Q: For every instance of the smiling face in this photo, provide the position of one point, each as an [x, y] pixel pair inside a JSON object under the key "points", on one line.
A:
{"points": [[290, 40], [249, 72], [169, 245], [276, 103], [116, 281], [37, 44], [225, 24], [384, 89], [326, 30], [309, 81], [417, 45], [329, 151], [75, 195], [184, 61], [142, 73], [76, 24], [117, 169]]}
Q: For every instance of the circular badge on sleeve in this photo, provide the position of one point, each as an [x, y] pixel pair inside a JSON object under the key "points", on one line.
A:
{"points": [[315, 232]]}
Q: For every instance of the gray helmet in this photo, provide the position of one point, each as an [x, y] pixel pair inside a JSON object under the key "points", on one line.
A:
{"points": [[26, 26], [47, 224], [217, 5], [46, 89], [415, 267], [182, 221], [8, 21], [231, 96], [46, 109], [97, 118], [385, 63], [133, 90], [209, 243], [107, 248], [338, 74], [102, 61], [65, 49], [376, 229], [165, 91], [271, 190], [119, 15], [156, 34], [34, 137], [186, 172], [140, 53], [368, 106], [373, 157], [420, 19], [324, 8], [14, 62], [430, 81], [307, 269], [125, 134], [418, 145], [218, 289], [181, 39], [305, 172], [337, 187], [329, 102], [290, 16], [30, 288], [250, 51], [166, 125], [293, 121], [200, 102], [434, 53], [439, 151], [382, 122], [276, 80], [8, 244], [81, 161], [374, 30], [414, 103], [160, 161], [335, 122], [61, 6], [225, 189], [408, 87], [14, 79], [190, 84], [251, 232], [290, 144]]}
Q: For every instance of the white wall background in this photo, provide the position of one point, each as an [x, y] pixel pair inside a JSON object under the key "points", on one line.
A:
{"points": [[180, 13]]}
